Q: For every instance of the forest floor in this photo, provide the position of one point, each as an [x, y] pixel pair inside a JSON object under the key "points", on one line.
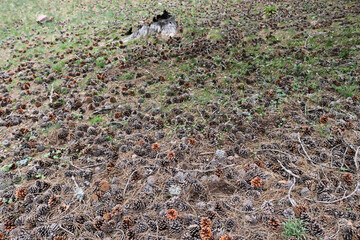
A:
{"points": [[245, 125]]}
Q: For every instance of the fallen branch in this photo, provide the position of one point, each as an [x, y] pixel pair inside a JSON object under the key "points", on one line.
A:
{"points": [[338, 200], [303, 148], [206, 153], [205, 171], [201, 114], [356, 160], [66, 230], [51, 92], [292, 201], [313, 35], [128, 181], [282, 166]]}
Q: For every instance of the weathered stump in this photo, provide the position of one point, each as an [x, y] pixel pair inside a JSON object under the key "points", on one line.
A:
{"points": [[163, 25]]}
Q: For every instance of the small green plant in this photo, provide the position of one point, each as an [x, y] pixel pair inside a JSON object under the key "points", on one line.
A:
{"points": [[347, 90], [7, 168], [100, 62], [59, 66], [270, 10], [293, 228], [39, 175], [128, 76], [94, 120], [217, 59]]}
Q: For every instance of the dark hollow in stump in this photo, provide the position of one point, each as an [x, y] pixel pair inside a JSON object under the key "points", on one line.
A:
{"points": [[164, 25]]}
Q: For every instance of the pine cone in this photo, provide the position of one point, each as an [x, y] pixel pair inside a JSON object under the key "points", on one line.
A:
{"points": [[226, 237], [172, 214], [131, 234], [219, 172], [42, 210], [53, 200], [127, 222], [98, 223], [205, 233], [162, 224], [347, 233], [316, 230], [274, 223], [194, 231], [117, 210], [108, 227], [21, 193], [299, 210], [205, 223], [256, 182], [108, 216], [175, 227], [9, 224], [43, 231], [348, 179], [60, 238]]}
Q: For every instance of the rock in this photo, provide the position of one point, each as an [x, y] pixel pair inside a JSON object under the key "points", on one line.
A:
{"points": [[151, 180], [304, 192], [115, 180], [220, 154], [40, 147], [43, 18], [6, 143]]}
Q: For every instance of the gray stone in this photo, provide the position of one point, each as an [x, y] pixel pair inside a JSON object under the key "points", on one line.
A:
{"points": [[6, 143], [304, 192]]}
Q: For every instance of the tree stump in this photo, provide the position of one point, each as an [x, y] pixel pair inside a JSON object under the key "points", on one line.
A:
{"points": [[163, 25]]}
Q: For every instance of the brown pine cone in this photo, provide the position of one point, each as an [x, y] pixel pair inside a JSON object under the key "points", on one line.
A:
{"points": [[205, 223], [9, 224], [127, 222], [348, 179], [274, 223], [53, 201], [21, 193], [256, 182], [299, 210], [98, 223], [205, 233]]}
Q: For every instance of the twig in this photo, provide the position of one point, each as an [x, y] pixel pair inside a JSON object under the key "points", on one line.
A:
{"points": [[75, 166], [66, 230], [282, 166], [51, 92], [338, 229], [292, 201], [206, 153], [313, 35], [205, 171], [201, 114], [73, 178], [338, 200], [122, 233], [356, 160], [303, 148], [128, 181], [248, 11]]}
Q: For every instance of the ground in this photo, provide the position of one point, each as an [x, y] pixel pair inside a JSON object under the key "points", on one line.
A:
{"points": [[245, 125]]}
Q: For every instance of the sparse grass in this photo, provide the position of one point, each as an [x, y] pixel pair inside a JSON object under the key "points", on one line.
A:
{"points": [[347, 90], [260, 86]]}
